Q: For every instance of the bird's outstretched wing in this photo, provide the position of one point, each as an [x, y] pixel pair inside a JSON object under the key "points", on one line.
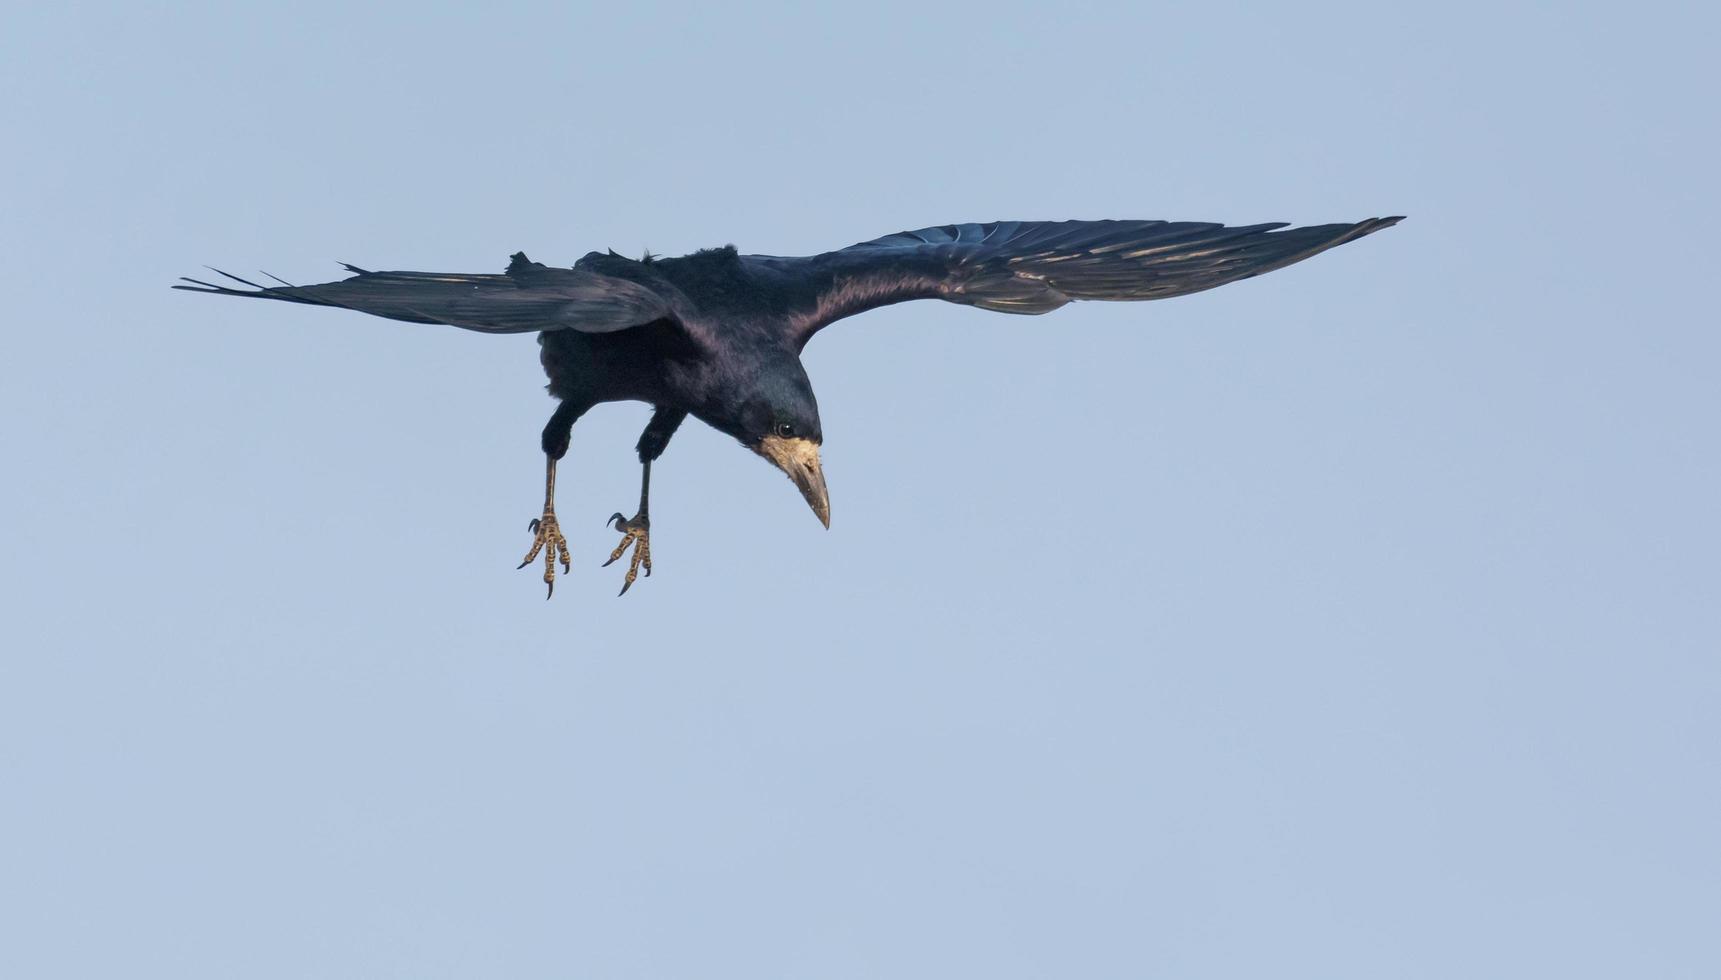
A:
{"points": [[1038, 266], [530, 296]]}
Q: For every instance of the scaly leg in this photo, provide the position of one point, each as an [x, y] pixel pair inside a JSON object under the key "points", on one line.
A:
{"points": [[546, 533], [637, 531]]}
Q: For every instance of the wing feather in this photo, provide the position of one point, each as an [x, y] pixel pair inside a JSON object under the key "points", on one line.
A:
{"points": [[529, 297], [1034, 267]]}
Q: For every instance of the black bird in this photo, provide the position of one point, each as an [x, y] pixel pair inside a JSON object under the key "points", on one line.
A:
{"points": [[718, 335]]}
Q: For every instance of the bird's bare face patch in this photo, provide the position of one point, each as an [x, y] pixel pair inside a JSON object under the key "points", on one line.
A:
{"points": [[798, 457]]}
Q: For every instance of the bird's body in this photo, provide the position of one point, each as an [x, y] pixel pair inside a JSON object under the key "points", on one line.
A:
{"points": [[718, 335], [660, 364]]}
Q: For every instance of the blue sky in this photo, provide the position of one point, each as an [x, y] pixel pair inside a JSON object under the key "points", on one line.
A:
{"points": [[1354, 621]]}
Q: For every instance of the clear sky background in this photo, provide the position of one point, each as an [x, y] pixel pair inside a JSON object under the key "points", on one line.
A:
{"points": [[1356, 621]]}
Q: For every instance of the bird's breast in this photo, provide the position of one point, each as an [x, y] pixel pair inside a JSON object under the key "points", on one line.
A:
{"points": [[621, 366]]}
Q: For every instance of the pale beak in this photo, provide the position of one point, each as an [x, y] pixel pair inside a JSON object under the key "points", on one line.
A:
{"points": [[800, 459]]}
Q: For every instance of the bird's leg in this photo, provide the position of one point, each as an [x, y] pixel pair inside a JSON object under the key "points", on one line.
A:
{"points": [[637, 530], [546, 532]]}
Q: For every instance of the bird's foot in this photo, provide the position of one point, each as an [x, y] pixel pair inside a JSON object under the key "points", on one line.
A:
{"points": [[638, 532], [547, 537]]}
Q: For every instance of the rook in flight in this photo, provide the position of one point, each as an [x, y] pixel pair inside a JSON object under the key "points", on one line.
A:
{"points": [[718, 335]]}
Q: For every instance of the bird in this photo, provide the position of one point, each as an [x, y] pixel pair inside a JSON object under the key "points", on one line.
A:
{"points": [[718, 334]]}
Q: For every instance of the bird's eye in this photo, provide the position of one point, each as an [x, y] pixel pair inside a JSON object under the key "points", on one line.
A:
{"points": [[785, 430]]}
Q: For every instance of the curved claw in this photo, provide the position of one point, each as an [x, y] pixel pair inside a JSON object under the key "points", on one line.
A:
{"points": [[636, 533], [615, 519], [547, 539]]}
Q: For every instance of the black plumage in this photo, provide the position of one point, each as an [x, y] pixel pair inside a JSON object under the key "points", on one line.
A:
{"points": [[718, 335]]}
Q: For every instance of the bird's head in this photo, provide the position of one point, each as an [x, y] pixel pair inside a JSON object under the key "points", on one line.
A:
{"points": [[781, 423]]}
